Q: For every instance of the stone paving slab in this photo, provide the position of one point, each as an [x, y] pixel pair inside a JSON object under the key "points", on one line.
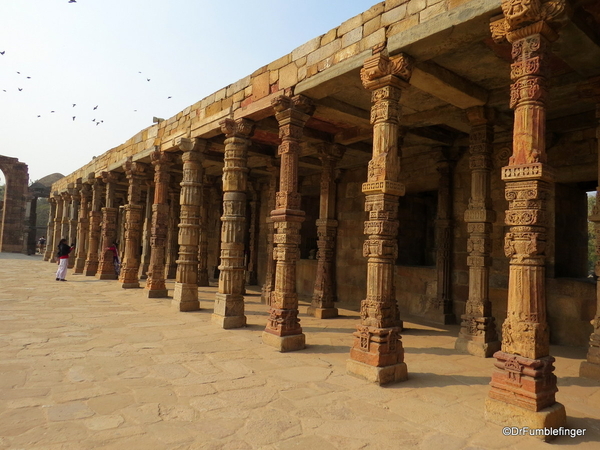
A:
{"points": [[86, 364]]}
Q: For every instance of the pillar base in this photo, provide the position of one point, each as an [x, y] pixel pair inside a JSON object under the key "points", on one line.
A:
{"points": [[475, 348], [380, 375], [510, 415], [106, 276], [228, 322], [322, 313], [158, 293], [130, 285], [589, 370], [285, 343], [185, 297]]}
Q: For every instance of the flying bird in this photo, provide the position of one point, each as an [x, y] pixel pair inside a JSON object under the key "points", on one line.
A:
{"points": [[19, 73], [2, 53], [93, 120], [39, 116], [168, 98], [95, 107], [72, 1], [147, 79], [51, 111], [20, 89], [97, 123], [74, 118], [74, 104], [29, 78]]}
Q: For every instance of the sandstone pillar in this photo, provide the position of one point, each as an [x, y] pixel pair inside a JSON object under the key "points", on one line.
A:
{"points": [[441, 310], [283, 330], [523, 384], [252, 257], [229, 302], [135, 172], [145, 261], [60, 203], [172, 233], [83, 228], [324, 296], [591, 367], [106, 267], [31, 242], [73, 215], [185, 295], [66, 214], [155, 284], [478, 328], [270, 261], [377, 354], [93, 247], [50, 233], [203, 243]]}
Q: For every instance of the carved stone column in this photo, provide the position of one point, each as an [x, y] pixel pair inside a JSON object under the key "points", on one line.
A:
{"points": [[145, 262], [185, 295], [83, 228], [283, 330], [229, 302], [523, 384], [135, 172], [441, 309], [478, 329], [172, 232], [377, 354], [93, 247], [155, 284], [73, 215], [106, 267], [591, 367], [50, 232], [270, 261], [60, 203], [324, 296], [66, 214], [203, 244], [252, 257], [31, 241]]}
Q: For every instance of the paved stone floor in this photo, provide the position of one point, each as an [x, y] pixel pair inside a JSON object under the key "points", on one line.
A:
{"points": [[88, 365]]}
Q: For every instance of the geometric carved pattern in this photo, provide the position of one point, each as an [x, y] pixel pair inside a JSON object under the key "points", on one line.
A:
{"points": [[229, 302], [291, 114], [155, 283], [377, 338], [524, 369], [478, 329]]}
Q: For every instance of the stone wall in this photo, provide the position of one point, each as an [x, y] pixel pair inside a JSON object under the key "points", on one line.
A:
{"points": [[353, 39]]}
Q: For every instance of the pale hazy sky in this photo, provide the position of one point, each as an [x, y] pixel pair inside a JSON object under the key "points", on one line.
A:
{"points": [[90, 53]]}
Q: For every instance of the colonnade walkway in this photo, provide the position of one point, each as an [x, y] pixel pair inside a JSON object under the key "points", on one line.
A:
{"points": [[85, 364]]}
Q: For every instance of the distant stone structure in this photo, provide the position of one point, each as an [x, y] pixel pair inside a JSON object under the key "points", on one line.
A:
{"points": [[471, 127], [12, 225]]}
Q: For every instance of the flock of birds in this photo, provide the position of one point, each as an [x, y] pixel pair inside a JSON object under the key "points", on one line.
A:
{"points": [[96, 121]]}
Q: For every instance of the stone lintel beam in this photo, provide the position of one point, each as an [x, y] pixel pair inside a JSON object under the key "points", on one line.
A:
{"points": [[573, 36], [448, 86]]}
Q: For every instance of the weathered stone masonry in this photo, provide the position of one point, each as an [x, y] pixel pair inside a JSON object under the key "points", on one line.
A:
{"points": [[380, 125]]}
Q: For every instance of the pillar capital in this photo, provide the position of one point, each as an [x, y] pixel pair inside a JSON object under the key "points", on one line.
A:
{"points": [[526, 17], [380, 70], [242, 128]]}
